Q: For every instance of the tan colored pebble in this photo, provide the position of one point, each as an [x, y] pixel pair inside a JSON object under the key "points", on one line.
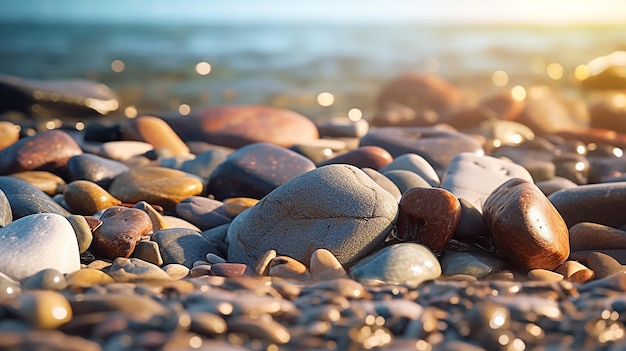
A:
{"points": [[288, 268], [134, 269], [235, 205], [157, 133], [157, 219], [47, 182], [286, 289], [324, 265], [569, 267], [99, 264], [175, 222], [594, 236], [9, 134], [43, 309], [200, 270], [261, 267], [176, 271], [582, 276], [207, 323], [88, 277], [86, 198], [544, 275]]}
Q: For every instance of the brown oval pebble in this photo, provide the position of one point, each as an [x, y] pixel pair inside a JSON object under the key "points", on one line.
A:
{"points": [[374, 157], [43, 309], [582, 276], [120, 231], [261, 328], [86, 198], [134, 269], [46, 151], [288, 268], [237, 126], [428, 216], [594, 236], [568, 268], [88, 277], [526, 229], [261, 266], [544, 275], [158, 133], [324, 265], [230, 270], [156, 185], [419, 91], [47, 182], [603, 265]]}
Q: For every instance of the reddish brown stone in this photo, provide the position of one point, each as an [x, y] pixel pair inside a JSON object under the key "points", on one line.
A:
{"points": [[582, 276], [47, 151], [429, 216], [364, 157], [231, 270], [237, 126], [419, 92], [525, 227], [120, 231], [593, 236]]}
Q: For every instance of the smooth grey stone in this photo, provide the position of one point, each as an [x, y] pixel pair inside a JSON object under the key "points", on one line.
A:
{"points": [[9, 288], [84, 236], [46, 279], [470, 263], [384, 182], [94, 168], [205, 163], [406, 180], [550, 186], [203, 212], [26, 199], [148, 251], [404, 263], [597, 203], [133, 269], [183, 246], [572, 166], [217, 233], [335, 207], [540, 170], [474, 177], [416, 164], [6, 216]]}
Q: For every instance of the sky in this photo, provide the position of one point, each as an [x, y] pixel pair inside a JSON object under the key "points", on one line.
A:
{"points": [[547, 12]]}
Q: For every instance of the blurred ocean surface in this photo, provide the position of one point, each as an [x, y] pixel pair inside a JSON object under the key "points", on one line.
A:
{"points": [[288, 65]]}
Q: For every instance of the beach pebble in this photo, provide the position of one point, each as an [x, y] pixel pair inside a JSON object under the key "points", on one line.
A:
{"points": [[94, 168], [365, 156], [597, 203], [319, 150], [46, 151], [394, 114], [603, 265], [255, 170], [48, 182], [45, 279], [123, 150], [342, 127], [261, 328], [134, 269], [384, 182], [204, 163], [9, 288], [503, 105], [474, 177], [593, 236], [608, 114], [157, 133], [470, 263], [416, 164], [26, 199], [437, 146], [176, 271], [43, 309], [235, 205], [9, 134], [120, 231], [569, 268], [237, 126], [148, 251], [6, 216], [158, 220], [231, 270], [86, 198], [551, 186], [526, 229], [324, 265], [203, 212], [468, 117], [83, 231], [404, 263], [183, 246], [287, 268], [428, 216], [336, 207], [37, 242], [472, 228], [156, 185], [544, 275], [405, 180], [88, 277]]}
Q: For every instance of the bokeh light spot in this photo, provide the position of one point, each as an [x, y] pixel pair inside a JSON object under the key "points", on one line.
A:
{"points": [[355, 114], [118, 66], [325, 99], [518, 93], [203, 68], [184, 109], [130, 111], [555, 71], [500, 78]]}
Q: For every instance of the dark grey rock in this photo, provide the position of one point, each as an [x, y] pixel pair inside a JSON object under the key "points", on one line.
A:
{"points": [[183, 246]]}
